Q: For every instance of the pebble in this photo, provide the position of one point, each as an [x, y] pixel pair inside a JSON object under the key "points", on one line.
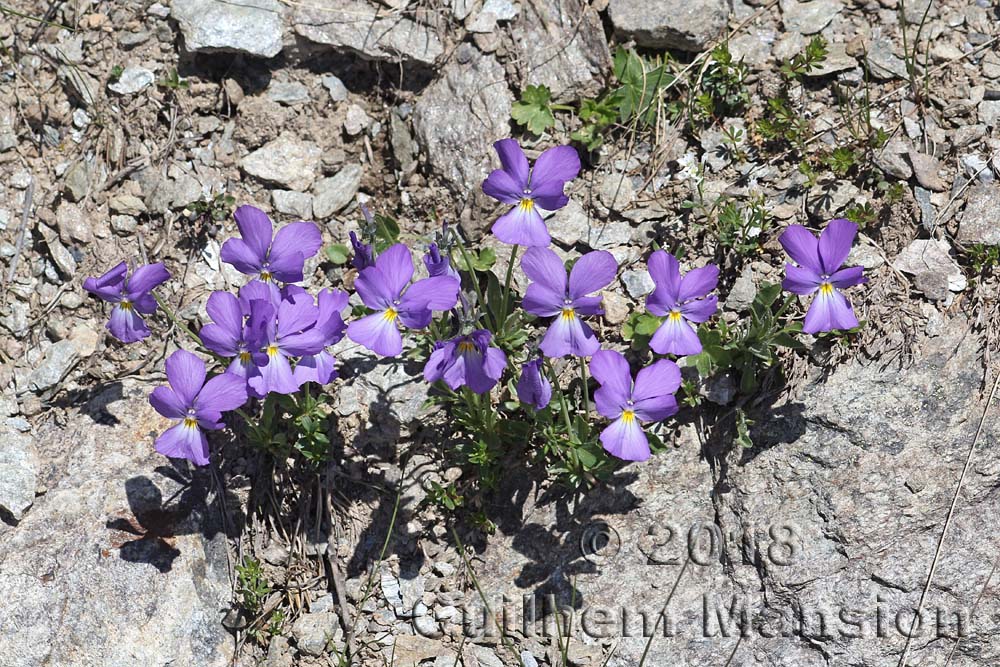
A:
{"points": [[288, 92], [59, 359], [616, 191], [62, 257], [979, 219], [76, 180], [638, 282], [332, 195], [934, 270], [616, 308], [254, 28], [312, 632], [132, 80], [336, 88], [286, 161], [809, 18], [289, 202], [825, 200], [927, 168], [356, 121]]}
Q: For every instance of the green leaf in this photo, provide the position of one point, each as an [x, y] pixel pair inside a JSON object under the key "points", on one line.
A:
{"points": [[337, 253], [647, 324], [386, 230], [533, 110]]}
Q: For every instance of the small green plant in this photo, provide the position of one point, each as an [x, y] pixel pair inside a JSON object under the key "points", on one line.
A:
{"points": [[173, 82], [983, 258], [252, 588], [446, 497], [802, 63], [642, 84], [338, 253], [743, 425], [218, 209], [534, 110], [750, 347], [782, 123], [297, 423], [722, 90], [862, 214], [741, 227], [841, 161], [597, 116], [116, 73]]}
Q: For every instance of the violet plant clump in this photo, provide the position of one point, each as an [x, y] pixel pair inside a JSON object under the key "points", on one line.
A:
{"points": [[521, 371]]}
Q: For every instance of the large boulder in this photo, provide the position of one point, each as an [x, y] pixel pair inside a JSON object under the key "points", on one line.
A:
{"points": [[670, 24], [459, 116], [815, 545], [253, 27], [122, 560]]}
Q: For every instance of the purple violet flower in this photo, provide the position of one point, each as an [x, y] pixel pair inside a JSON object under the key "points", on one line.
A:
{"points": [[383, 288], [649, 399], [277, 259], [818, 269], [550, 296], [363, 254], [533, 387], [196, 404], [685, 303], [320, 367], [529, 190], [229, 335], [438, 264], [467, 360], [293, 332], [132, 297]]}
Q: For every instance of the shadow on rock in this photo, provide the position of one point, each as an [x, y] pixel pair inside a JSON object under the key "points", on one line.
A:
{"points": [[147, 532]]}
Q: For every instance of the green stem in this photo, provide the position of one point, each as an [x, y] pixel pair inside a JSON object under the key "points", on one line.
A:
{"points": [[506, 286], [586, 391], [475, 281], [173, 318], [562, 402]]}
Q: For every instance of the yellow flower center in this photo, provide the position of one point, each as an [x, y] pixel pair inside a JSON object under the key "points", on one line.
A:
{"points": [[266, 276], [675, 316], [526, 205], [125, 305], [628, 416], [568, 313], [466, 346], [244, 357], [390, 314], [272, 350], [826, 289], [190, 422]]}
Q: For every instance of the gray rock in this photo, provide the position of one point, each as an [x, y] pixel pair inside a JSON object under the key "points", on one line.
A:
{"points": [[834, 514], [289, 202], [892, 159], [608, 235], [488, 658], [837, 60], [285, 161], [357, 27], [927, 170], [338, 92], [312, 632], [989, 112], [72, 222], [81, 85], [616, 191], [76, 180], [334, 194], [458, 117], [934, 270], [126, 204], [570, 224], [288, 92], [975, 167], [94, 536], [669, 24], [132, 80], [59, 359], [404, 148], [638, 283], [743, 291], [162, 194], [927, 213], [356, 120], [825, 200], [61, 257], [809, 18], [883, 63], [754, 47], [18, 471], [253, 27], [561, 45], [979, 220]]}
